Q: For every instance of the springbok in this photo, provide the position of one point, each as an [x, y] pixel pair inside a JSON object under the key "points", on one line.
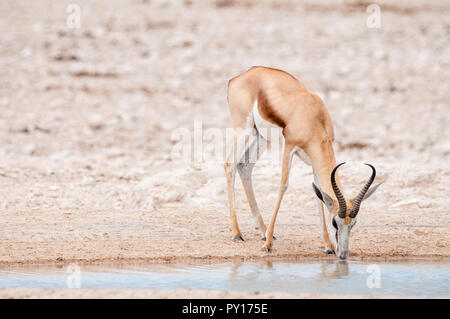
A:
{"points": [[263, 98]]}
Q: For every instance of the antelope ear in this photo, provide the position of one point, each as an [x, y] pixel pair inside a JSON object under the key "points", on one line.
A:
{"points": [[372, 190], [324, 197]]}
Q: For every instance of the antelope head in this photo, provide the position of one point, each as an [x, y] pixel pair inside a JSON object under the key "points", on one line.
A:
{"points": [[345, 211]]}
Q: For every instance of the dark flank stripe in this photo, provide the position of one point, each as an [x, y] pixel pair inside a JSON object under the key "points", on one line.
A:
{"points": [[268, 111]]}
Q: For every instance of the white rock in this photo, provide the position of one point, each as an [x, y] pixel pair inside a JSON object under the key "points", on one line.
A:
{"points": [[161, 3], [270, 29], [443, 148], [405, 202], [335, 95], [424, 204], [26, 52], [29, 148], [187, 69], [95, 121], [86, 181]]}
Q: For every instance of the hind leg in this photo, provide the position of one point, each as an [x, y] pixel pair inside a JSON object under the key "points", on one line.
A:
{"points": [[245, 169], [243, 139], [229, 173]]}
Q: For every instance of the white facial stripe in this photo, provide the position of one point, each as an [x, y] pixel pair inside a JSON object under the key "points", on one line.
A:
{"points": [[343, 237]]}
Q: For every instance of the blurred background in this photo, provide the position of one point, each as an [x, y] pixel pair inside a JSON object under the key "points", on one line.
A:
{"points": [[86, 113]]}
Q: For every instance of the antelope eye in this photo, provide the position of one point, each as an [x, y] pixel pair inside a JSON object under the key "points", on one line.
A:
{"points": [[334, 224]]}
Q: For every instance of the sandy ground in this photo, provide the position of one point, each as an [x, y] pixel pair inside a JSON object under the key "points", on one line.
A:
{"points": [[158, 294], [89, 121]]}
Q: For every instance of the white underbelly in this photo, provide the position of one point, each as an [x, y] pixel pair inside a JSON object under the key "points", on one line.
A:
{"points": [[266, 129]]}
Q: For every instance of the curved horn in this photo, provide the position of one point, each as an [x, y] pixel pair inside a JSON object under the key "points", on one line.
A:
{"points": [[360, 197], [337, 192]]}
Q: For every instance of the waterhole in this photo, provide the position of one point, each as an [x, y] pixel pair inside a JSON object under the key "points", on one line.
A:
{"points": [[428, 279]]}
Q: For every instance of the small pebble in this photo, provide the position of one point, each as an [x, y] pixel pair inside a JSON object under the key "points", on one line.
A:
{"points": [[424, 204]]}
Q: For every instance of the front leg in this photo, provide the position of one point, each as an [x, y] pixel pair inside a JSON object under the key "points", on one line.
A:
{"points": [[286, 166], [326, 235], [330, 231]]}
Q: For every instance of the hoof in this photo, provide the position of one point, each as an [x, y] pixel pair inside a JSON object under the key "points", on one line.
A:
{"points": [[268, 250], [237, 238], [329, 251], [264, 238]]}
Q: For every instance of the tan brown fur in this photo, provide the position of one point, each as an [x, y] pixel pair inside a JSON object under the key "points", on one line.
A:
{"points": [[268, 111], [284, 101]]}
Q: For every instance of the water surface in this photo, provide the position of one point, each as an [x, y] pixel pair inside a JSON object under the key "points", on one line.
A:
{"points": [[413, 278]]}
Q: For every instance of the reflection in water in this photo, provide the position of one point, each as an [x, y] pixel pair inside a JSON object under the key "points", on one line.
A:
{"points": [[328, 269], [262, 265], [334, 269], [331, 277]]}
